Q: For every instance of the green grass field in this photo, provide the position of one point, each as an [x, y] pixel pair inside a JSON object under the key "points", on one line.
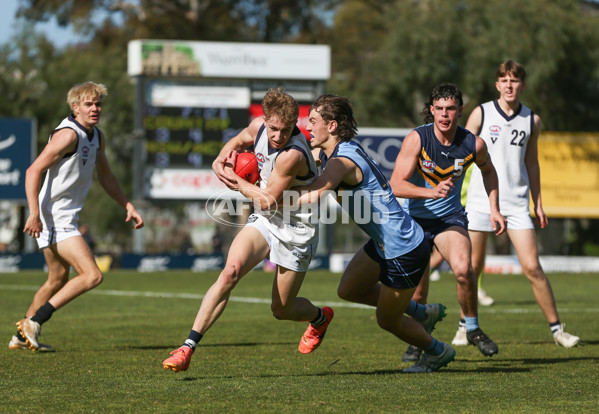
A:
{"points": [[111, 341]]}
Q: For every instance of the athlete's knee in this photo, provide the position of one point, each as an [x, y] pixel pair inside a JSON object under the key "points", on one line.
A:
{"points": [[95, 278], [279, 311], [534, 272], [344, 293], [230, 275], [463, 273], [348, 294]]}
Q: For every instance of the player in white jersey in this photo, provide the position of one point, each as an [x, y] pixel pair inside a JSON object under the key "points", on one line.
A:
{"points": [[76, 149], [287, 238], [295, 227], [511, 132]]}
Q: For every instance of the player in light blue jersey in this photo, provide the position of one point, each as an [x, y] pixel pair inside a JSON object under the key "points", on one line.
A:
{"points": [[429, 172], [385, 272]]}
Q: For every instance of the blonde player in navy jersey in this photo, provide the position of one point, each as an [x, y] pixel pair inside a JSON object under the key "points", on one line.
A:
{"points": [[288, 240], [76, 149], [385, 272], [429, 172], [511, 131]]}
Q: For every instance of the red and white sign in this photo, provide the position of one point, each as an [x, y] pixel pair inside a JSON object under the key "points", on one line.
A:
{"points": [[185, 184]]}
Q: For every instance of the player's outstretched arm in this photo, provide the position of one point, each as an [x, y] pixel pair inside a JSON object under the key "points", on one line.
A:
{"points": [[337, 171]]}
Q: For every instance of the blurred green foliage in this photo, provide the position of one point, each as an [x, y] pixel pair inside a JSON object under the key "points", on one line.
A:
{"points": [[387, 56]]}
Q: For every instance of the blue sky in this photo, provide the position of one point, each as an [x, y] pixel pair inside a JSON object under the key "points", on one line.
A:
{"points": [[56, 34]]}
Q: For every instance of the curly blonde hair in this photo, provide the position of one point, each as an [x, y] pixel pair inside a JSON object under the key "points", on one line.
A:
{"points": [[87, 89], [277, 102]]}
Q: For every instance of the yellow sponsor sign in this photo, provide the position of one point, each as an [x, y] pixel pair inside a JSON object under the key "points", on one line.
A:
{"points": [[569, 163]]}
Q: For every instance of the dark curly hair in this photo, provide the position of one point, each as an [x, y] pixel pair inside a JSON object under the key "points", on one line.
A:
{"points": [[442, 91], [337, 108]]}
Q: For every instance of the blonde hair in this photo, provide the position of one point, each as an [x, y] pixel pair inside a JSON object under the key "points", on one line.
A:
{"points": [[277, 102], [87, 89]]}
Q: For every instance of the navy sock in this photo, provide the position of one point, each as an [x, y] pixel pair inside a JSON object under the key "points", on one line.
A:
{"points": [[320, 319], [555, 327], [416, 310], [43, 313], [193, 339], [435, 348]]}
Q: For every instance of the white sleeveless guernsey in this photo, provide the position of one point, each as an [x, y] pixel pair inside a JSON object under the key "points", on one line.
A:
{"points": [[299, 226], [68, 181], [507, 139]]}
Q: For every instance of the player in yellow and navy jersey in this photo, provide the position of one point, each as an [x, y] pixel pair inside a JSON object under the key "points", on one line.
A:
{"points": [[429, 172]]}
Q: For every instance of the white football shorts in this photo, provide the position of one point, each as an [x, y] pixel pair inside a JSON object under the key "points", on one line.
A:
{"points": [[55, 235], [478, 221], [289, 256]]}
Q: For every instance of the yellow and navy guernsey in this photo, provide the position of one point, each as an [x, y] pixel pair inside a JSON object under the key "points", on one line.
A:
{"points": [[436, 163]]}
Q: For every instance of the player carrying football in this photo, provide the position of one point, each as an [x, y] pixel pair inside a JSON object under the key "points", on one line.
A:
{"points": [[288, 240]]}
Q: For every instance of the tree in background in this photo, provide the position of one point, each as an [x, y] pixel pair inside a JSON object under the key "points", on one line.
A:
{"points": [[386, 55], [427, 42]]}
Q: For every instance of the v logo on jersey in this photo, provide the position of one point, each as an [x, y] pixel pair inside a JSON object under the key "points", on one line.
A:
{"points": [[445, 153], [494, 132], [84, 154]]}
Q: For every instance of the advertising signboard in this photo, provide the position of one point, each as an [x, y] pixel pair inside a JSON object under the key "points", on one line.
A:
{"points": [[569, 163], [17, 147], [382, 144], [228, 60]]}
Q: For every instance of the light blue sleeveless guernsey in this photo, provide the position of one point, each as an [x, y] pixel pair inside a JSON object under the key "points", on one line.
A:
{"points": [[374, 208]]}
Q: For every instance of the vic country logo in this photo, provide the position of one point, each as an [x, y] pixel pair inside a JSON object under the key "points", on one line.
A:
{"points": [[429, 164], [85, 154], [494, 131], [260, 157]]}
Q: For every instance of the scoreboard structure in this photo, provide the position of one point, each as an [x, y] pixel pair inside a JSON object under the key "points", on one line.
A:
{"points": [[191, 98]]}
